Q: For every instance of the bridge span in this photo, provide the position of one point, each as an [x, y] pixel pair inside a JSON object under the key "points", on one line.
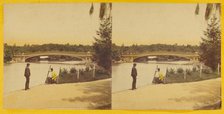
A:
{"points": [[133, 57], [25, 57]]}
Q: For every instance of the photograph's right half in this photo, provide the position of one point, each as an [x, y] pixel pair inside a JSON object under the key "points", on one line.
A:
{"points": [[166, 56]]}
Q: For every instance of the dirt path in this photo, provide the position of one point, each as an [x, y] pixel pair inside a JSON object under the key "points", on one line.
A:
{"points": [[87, 95], [180, 96]]}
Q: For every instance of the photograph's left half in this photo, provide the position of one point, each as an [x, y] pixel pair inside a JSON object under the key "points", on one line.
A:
{"points": [[57, 56]]}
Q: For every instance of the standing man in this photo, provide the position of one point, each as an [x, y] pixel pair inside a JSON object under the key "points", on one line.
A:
{"points": [[27, 75], [134, 76]]}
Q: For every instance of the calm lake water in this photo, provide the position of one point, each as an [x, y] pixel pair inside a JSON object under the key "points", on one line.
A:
{"points": [[14, 74], [121, 73]]}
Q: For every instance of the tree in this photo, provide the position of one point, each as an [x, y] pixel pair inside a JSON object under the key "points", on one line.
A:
{"points": [[116, 53], [102, 44], [210, 47], [7, 53], [104, 8], [209, 8]]}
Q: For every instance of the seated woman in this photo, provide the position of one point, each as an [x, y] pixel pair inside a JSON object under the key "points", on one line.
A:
{"points": [[158, 77], [53, 75], [52, 78]]}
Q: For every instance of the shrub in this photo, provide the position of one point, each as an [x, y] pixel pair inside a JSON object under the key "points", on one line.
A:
{"points": [[102, 71], [171, 71], [91, 66], [87, 69], [85, 75], [194, 69], [81, 71], [63, 72], [73, 70], [180, 70], [68, 78], [188, 72], [207, 71]]}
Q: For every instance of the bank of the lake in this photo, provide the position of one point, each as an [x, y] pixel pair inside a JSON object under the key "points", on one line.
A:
{"points": [[86, 95], [179, 96]]}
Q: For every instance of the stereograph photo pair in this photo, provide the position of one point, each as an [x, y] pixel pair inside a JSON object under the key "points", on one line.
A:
{"points": [[129, 56]]}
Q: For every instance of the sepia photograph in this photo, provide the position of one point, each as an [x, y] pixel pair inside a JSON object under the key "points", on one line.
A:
{"points": [[166, 56], [157, 56], [57, 56]]}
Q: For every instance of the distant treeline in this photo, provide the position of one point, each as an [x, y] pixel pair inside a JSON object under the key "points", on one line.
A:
{"points": [[47, 47], [156, 47], [88, 48]]}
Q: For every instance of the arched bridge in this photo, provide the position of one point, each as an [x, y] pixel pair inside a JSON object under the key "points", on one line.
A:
{"points": [[54, 56], [183, 56]]}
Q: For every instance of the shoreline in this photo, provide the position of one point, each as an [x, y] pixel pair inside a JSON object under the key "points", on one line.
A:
{"points": [[178, 96], [87, 95]]}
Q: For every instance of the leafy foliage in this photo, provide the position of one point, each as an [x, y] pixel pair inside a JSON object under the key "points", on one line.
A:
{"points": [[102, 44], [210, 7], [194, 69], [208, 10], [171, 71], [116, 53], [197, 10], [104, 8], [48, 47], [188, 71], [84, 75], [7, 53], [190, 76], [180, 70], [73, 70], [206, 70], [63, 72], [210, 46]]}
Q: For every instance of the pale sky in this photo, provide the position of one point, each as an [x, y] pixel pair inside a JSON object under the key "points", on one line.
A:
{"points": [[50, 23], [144, 23], [133, 23]]}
